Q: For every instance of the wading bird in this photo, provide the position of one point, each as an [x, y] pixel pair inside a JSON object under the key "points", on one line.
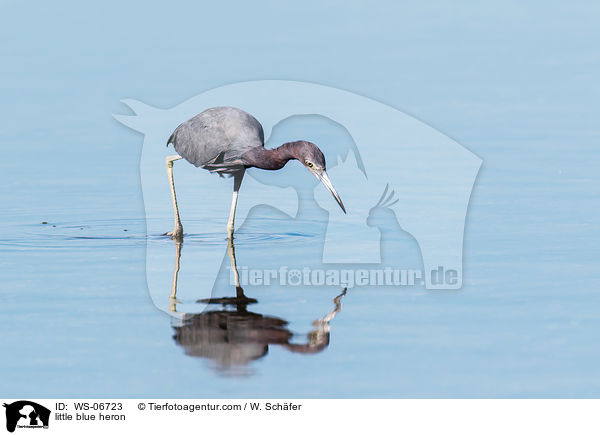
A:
{"points": [[227, 140]]}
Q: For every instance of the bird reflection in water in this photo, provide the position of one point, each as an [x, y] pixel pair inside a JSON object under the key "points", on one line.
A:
{"points": [[233, 336]]}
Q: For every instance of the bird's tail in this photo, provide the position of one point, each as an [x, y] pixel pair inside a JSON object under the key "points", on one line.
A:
{"points": [[172, 138]]}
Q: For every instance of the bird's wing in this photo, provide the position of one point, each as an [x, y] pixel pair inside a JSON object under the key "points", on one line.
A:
{"points": [[217, 138]]}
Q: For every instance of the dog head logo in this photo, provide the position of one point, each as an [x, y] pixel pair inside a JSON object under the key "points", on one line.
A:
{"points": [[26, 414]]}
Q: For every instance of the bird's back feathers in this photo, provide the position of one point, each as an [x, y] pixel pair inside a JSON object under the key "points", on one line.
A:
{"points": [[217, 138]]}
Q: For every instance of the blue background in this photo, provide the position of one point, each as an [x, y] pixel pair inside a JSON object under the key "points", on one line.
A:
{"points": [[515, 83]]}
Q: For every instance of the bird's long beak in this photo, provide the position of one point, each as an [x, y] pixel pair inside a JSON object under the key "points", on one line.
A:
{"points": [[324, 178]]}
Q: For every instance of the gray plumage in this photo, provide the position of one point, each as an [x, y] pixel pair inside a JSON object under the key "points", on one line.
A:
{"points": [[227, 140], [217, 138]]}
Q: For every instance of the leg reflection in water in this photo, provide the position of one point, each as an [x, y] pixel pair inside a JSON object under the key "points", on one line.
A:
{"points": [[232, 337]]}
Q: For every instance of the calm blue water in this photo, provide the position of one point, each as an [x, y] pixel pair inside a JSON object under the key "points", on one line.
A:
{"points": [[516, 84]]}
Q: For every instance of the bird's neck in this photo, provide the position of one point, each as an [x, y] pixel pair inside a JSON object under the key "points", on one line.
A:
{"points": [[271, 159]]}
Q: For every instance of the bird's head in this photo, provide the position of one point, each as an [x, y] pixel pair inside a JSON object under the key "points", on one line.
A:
{"points": [[313, 159]]}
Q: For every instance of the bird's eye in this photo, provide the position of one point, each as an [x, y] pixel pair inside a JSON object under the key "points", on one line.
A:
{"points": [[309, 164]]}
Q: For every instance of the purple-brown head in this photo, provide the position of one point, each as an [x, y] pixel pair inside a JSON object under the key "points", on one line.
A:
{"points": [[305, 152], [313, 159]]}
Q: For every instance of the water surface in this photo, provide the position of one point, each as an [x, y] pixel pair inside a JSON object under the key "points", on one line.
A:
{"points": [[516, 84]]}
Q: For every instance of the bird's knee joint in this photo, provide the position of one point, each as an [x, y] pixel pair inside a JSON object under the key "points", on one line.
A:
{"points": [[171, 159]]}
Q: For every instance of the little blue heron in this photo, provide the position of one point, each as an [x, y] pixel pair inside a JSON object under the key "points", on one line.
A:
{"points": [[227, 140]]}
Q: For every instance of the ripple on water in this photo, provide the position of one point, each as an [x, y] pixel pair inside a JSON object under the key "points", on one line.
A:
{"points": [[132, 232], [57, 235]]}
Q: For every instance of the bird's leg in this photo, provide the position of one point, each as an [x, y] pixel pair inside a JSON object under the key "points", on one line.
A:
{"points": [[241, 300], [234, 269], [173, 297], [237, 182], [177, 233]]}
